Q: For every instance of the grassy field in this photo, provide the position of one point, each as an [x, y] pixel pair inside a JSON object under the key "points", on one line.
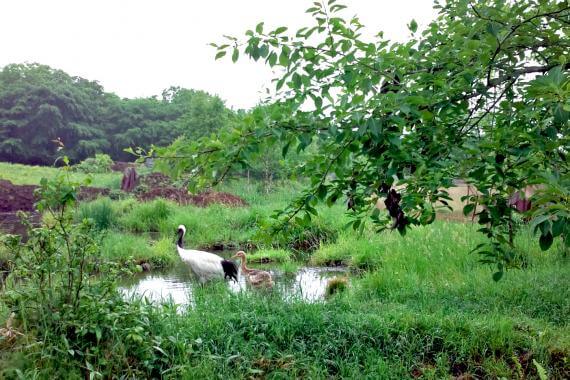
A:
{"points": [[31, 175], [419, 306]]}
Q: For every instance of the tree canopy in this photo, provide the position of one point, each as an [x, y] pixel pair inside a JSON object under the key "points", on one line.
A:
{"points": [[482, 94], [39, 104]]}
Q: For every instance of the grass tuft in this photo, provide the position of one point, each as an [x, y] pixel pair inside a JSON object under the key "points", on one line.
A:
{"points": [[270, 255], [336, 285]]}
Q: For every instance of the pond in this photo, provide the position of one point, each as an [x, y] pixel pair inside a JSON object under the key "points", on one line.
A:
{"points": [[306, 283]]}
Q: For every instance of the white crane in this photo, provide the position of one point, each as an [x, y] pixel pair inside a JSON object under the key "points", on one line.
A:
{"points": [[205, 265]]}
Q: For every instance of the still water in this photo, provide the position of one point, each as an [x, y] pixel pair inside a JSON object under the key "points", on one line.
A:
{"points": [[177, 284]]}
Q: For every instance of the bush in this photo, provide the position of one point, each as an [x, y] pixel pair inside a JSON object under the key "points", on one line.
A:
{"points": [[101, 163], [59, 298]]}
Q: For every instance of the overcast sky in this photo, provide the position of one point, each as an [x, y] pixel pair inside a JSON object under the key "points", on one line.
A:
{"points": [[137, 48]]}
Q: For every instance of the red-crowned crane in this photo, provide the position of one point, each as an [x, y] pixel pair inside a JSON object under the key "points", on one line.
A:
{"points": [[205, 265]]}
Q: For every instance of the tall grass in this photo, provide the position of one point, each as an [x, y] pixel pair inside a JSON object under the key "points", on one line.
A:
{"points": [[431, 268], [359, 252], [102, 212], [271, 255], [147, 216], [125, 248], [260, 335]]}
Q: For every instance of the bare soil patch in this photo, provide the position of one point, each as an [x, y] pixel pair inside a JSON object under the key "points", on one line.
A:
{"points": [[157, 185], [21, 197]]}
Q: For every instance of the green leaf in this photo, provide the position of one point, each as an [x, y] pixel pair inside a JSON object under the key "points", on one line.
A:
{"points": [[272, 59], [235, 55], [413, 26], [546, 241], [537, 221], [280, 30], [259, 28], [497, 276], [220, 54], [322, 192], [284, 56], [493, 28], [542, 375], [468, 208], [558, 226]]}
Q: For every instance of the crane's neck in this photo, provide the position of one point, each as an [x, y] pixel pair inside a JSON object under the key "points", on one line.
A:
{"points": [[180, 242], [244, 268]]}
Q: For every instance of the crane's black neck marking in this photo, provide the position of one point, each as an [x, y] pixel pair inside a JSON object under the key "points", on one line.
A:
{"points": [[180, 238], [230, 270]]}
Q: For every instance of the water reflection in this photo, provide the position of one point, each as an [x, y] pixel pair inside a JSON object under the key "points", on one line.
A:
{"points": [[176, 284]]}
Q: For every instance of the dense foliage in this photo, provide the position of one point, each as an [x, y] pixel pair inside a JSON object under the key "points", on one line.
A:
{"points": [[39, 104], [482, 94]]}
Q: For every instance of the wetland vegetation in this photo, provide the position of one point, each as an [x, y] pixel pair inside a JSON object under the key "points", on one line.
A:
{"points": [[418, 305], [348, 186]]}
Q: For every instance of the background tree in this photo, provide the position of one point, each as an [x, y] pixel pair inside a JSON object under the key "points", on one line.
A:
{"points": [[39, 104], [482, 94]]}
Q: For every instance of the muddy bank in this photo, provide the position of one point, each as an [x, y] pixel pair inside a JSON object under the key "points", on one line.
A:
{"points": [[10, 223], [21, 197], [157, 185]]}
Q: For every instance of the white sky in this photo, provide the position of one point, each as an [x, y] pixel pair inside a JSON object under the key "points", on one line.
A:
{"points": [[137, 48]]}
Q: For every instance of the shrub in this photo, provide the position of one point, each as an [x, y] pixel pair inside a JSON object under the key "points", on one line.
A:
{"points": [[60, 300], [101, 163]]}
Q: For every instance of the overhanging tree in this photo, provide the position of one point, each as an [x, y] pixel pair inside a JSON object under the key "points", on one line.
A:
{"points": [[482, 95]]}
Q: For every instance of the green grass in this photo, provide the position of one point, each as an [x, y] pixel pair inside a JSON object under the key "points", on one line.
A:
{"points": [[419, 305], [359, 252], [31, 175], [125, 248], [147, 216], [270, 255], [102, 212]]}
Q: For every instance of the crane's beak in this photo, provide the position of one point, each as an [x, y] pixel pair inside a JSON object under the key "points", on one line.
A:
{"points": [[234, 257]]}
